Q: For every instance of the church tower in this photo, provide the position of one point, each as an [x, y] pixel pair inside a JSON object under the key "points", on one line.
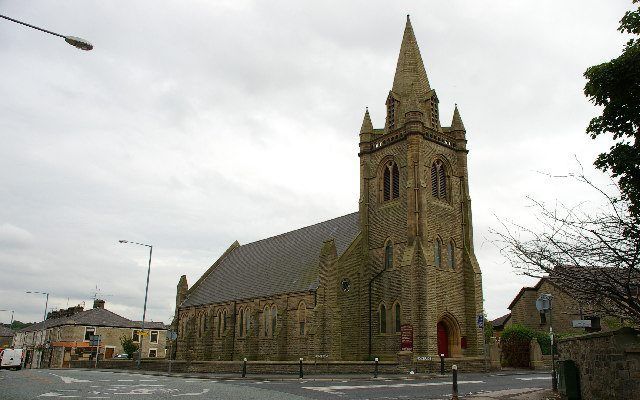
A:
{"points": [[420, 270]]}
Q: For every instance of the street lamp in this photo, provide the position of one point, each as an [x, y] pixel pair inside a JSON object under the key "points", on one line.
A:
{"points": [[46, 304], [11, 323], [80, 43], [146, 291]]}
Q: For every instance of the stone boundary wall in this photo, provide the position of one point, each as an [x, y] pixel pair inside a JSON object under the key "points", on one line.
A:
{"points": [[608, 363], [467, 364]]}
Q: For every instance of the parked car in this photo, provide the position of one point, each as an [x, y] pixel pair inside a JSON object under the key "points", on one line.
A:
{"points": [[11, 358], [121, 356]]}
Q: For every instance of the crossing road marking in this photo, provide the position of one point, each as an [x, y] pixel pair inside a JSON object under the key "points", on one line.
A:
{"points": [[338, 389], [67, 379], [536, 378]]}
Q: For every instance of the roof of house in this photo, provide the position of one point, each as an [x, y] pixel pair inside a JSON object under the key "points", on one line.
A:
{"points": [[93, 317], [5, 331], [500, 321], [285, 263], [524, 289]]}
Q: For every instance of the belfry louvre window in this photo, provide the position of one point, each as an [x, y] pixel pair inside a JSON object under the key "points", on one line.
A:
{"points": [[391, 113], [438, 180], [390, 181]]}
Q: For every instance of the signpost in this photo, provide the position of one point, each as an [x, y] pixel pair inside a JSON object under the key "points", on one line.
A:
{"points": [[544, 304], [171, 335], [581, 323], [95, 341], [406, 337], [480, 325]]}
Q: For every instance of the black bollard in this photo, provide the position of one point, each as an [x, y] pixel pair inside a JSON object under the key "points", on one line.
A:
{"points": [[301, 373], [375, 370], [454, 395], [244, 368], [441, 364]]}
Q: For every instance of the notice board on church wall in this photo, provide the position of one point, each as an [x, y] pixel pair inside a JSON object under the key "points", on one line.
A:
{"points": [[406, 337]]}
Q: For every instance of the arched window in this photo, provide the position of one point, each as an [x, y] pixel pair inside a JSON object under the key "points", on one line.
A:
{"points": [[219, 324], [302, 318], [247, 318], [224, 321], [451, 255], [266, 319], [274, 319], [438, 180], [396, 317], [437, 253], [383, 318], [241, 323], [388, 256], [200, 325], [390, 181]]}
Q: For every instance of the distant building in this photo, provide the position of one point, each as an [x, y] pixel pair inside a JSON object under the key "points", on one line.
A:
{"points": [[566, 309], [55, 341], [498, 324], [6, 337], [398, 278]]}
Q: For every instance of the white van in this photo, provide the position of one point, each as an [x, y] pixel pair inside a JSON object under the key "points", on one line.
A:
{"points": [[11, 358]]}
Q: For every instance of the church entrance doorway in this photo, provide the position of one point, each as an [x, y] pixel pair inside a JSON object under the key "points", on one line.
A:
{"points": [[443, 340], [448, 338]]}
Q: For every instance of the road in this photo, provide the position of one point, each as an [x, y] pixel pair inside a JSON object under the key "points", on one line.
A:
{"points": [[87, 384]]}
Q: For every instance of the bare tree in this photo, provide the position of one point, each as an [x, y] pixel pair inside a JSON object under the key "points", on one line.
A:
{"points": [[593, 254]]}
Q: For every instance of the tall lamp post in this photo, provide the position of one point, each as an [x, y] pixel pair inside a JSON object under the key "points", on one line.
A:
{"points": [[80, 43], [46, 304], [11, 323], [146, 292]]}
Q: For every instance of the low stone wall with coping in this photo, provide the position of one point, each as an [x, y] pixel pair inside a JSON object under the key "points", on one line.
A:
{"points": [[467, 364], [608, 363]]}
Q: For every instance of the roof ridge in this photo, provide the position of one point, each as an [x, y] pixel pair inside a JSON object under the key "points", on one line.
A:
{"points": [[298, 229]]}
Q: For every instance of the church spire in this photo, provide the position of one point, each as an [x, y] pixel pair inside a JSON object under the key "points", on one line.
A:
{"points": [[367, 126], [410, 69], [456, 123]]}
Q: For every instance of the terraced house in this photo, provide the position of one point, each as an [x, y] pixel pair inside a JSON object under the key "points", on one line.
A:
{"points": [[397, 278]]}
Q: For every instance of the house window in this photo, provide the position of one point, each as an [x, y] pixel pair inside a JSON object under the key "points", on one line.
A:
{"points": [[437, 252], [88, 332], [274, 319], [153, 353], [388, 256], [450, 255], [383, 318], [397, 317], [302, 318], [135, 335], [153, 337], [438, 180], [390, 181]]}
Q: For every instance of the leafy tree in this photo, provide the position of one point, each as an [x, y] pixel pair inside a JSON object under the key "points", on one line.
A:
{"points": [[615, 86], [128, 346]]}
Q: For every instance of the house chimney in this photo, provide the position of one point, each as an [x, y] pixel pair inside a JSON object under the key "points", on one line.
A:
{"points": [[97, 303]]}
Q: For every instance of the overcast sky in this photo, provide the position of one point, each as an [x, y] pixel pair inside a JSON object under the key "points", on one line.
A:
{"points": [[195, 123]]}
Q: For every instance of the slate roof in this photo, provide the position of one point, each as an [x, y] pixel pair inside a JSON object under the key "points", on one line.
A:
{"points": [[5, 332], [500, 321], [93, 317], [286, 263]]}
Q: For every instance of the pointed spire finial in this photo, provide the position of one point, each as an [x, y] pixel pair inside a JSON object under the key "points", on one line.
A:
{"points": [[456, 123], [410, 68], [367, 126]]}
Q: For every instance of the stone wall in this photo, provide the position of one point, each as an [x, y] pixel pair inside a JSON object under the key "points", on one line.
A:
{"points": [[608, 363]]}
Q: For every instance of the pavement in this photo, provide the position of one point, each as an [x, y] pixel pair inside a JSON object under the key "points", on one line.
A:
{"points": [[119, 384]]}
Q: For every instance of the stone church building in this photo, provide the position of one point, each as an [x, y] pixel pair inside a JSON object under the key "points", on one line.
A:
{"points": [[397, 278]]}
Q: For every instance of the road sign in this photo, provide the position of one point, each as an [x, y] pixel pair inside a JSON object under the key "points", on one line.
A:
{"points": [[94, 340], [480, 321], [543, 303], [172, 335], [581, 323]]}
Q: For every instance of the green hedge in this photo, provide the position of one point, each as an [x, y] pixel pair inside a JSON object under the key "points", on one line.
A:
{"points": [[515, 341]]}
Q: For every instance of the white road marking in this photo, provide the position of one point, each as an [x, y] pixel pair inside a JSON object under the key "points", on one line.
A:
{"points": [[536, 378], [339, 388], [191, 394], [148, 380], [54, 394], [67, 379], [125, 380], [104, 380]]}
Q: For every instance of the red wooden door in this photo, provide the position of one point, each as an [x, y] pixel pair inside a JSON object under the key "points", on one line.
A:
{"points": [[443, 340]]}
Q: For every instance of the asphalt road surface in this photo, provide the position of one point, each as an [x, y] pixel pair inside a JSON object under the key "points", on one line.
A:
{"points": [[87, 384]]}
